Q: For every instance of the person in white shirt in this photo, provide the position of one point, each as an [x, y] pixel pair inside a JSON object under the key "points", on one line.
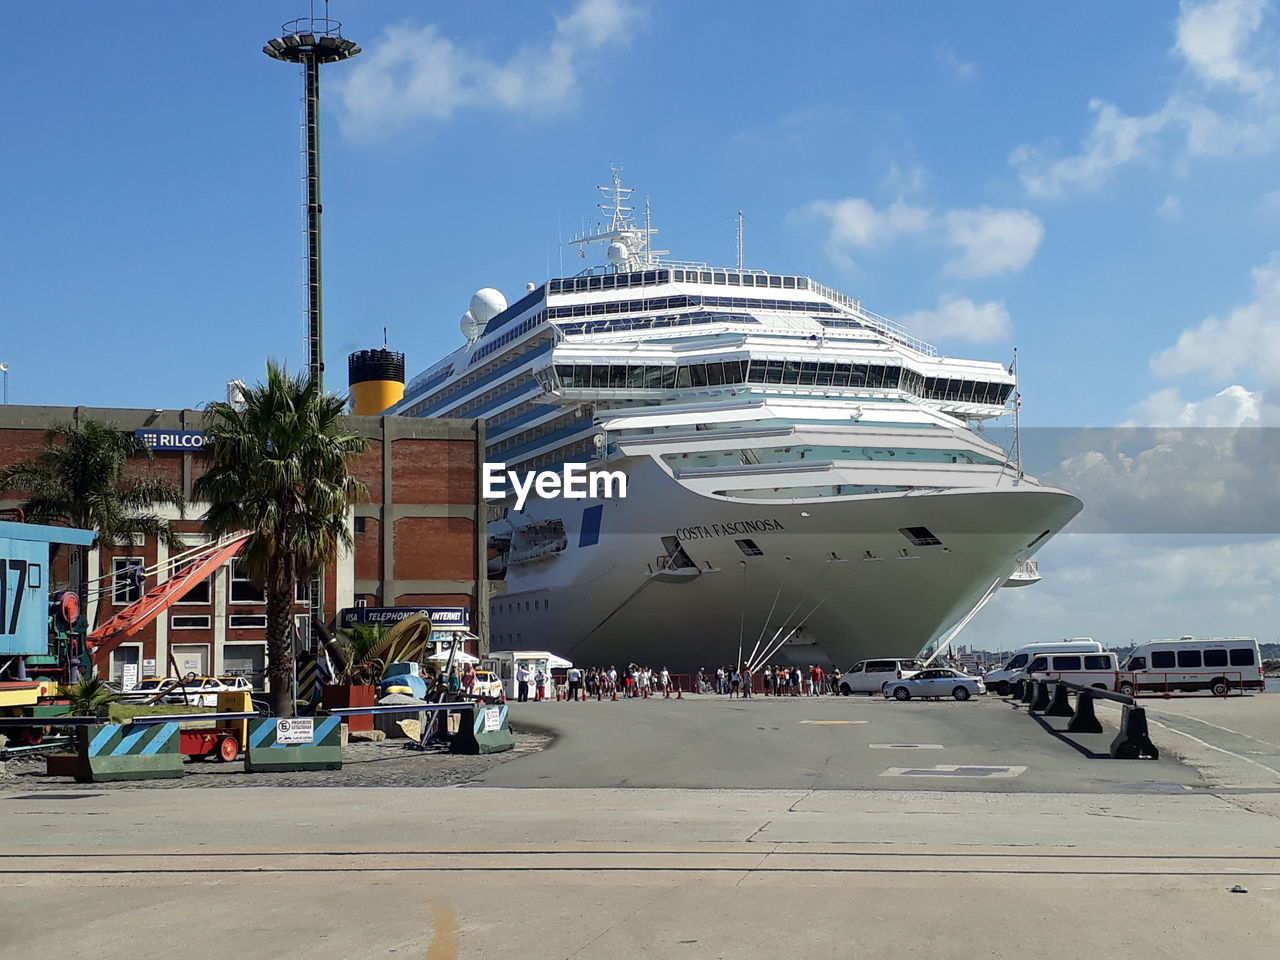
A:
{"points": [[522, 683], [574, 677], [664, 680]]}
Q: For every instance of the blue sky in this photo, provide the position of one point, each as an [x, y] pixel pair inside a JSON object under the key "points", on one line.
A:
{"points": [[1095, 183]]}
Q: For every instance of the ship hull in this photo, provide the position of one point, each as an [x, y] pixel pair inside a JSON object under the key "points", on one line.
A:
{"points": [[837, 576]]}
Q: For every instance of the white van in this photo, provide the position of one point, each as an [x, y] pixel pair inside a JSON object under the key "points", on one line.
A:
{"points": [[998, 680], [1188, 664], [1085, 668], [870, 676]]}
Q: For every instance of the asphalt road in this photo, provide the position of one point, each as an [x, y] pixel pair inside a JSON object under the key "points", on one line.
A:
{"points": [[823, 743]]}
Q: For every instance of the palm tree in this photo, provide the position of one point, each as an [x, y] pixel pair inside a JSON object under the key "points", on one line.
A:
{"points": [[79, 480], [280, 469]]}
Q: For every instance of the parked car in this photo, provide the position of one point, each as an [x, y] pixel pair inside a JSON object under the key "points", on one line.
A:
{"points": [[870, 676], [487, 684], [237, 684], [935, 683], [153, 690]]}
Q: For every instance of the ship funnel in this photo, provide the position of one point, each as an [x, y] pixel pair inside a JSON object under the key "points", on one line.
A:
{"points": [[376, 379]]}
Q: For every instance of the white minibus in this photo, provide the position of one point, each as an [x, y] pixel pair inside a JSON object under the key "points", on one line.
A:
{"points": [[1187, 664], [998, 680]]}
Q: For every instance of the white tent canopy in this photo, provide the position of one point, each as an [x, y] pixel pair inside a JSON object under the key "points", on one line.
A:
{"points": [[460, 657]]}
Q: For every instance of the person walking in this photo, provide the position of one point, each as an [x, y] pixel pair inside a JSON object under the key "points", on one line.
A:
{"points": [[522, 684]]}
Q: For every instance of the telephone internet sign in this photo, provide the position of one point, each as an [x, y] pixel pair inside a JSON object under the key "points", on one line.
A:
{"points": [[184, 440]]}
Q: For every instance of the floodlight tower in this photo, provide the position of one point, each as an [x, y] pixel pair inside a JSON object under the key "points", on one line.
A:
{"points": [[311, 41]]}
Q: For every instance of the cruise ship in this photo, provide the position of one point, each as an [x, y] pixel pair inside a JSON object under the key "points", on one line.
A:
{"points": [[804, 481]]}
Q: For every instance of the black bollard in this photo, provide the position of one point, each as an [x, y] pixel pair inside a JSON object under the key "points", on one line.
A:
{"points": [[1028, 689], [1085, 720], [1133, 742], [1061, 706], [1040, 700]]}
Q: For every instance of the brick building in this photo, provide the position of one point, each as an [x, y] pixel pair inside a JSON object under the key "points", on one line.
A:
{"points": [[419, 538]]}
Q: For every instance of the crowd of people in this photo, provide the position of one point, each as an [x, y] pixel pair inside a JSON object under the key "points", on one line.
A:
{"points": [[596, 683], [771, 681], [639, 682]]}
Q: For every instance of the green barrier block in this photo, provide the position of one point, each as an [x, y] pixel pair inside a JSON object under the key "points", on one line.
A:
{"points": [[296, 743], [121, 751], [483, 729]]}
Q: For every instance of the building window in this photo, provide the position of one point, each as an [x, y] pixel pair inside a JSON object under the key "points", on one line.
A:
{"points": [[920, 536], [200, 592], [749, 548], [360, 524], [127, 579], [247, 621], [243, 589], [189, 622], [302, 592]]}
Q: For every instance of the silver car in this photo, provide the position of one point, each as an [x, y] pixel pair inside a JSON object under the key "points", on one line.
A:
{"points": [[935, 683]]}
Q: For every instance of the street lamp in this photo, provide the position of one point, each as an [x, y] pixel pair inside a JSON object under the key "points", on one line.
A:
{"points": [[4, 369]]}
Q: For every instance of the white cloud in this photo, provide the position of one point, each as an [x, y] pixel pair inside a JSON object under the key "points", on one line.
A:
{"points": [[416, 73], [1171, 209], [959, 318], [962, 69], [1234, 406], [1246, 340], [1115, 140], [854, 222], [908, 179], [1219, 43], [1212, 38], [990, 241]]}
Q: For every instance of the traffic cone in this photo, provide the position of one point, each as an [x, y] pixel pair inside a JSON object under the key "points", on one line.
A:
{"points": [[679, 693]]}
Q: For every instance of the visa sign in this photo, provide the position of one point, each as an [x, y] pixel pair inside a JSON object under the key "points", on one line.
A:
{"points": [[185, 440]]}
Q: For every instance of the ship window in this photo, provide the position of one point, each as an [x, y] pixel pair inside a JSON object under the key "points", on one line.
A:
{"points": [[749, 548], [682, 377], [808, 373], [789, 282], [617, 376], [698, 374], [599, 376], [920, 536], [825, 373], [775, 281], [1242, 657], [790, 372], [715, 374], [840, 375], [755, 373], [635, 375]]}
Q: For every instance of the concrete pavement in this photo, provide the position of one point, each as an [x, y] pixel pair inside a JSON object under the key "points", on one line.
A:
{"points": [[1073, 857]]}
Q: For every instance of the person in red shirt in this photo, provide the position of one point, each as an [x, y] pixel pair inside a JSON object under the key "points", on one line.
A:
{"points": [[816, 677]]}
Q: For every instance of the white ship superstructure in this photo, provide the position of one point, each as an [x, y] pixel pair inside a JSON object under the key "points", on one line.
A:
{"points": [[802, 475]]}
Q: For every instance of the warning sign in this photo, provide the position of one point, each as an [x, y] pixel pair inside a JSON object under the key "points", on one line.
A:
{"points": [[492, 719], [295, 730]]}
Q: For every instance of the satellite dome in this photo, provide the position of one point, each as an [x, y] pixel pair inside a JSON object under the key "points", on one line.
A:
{"points": [[471, 327], [487, 304], [618, 252]]}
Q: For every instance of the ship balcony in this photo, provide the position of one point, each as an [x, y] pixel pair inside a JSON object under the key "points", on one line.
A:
{"points": [[1026, 573]]}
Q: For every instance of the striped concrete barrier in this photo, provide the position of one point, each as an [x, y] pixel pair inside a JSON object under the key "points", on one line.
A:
{"points": [[127, 751], [295, 743], [482, 729]]}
